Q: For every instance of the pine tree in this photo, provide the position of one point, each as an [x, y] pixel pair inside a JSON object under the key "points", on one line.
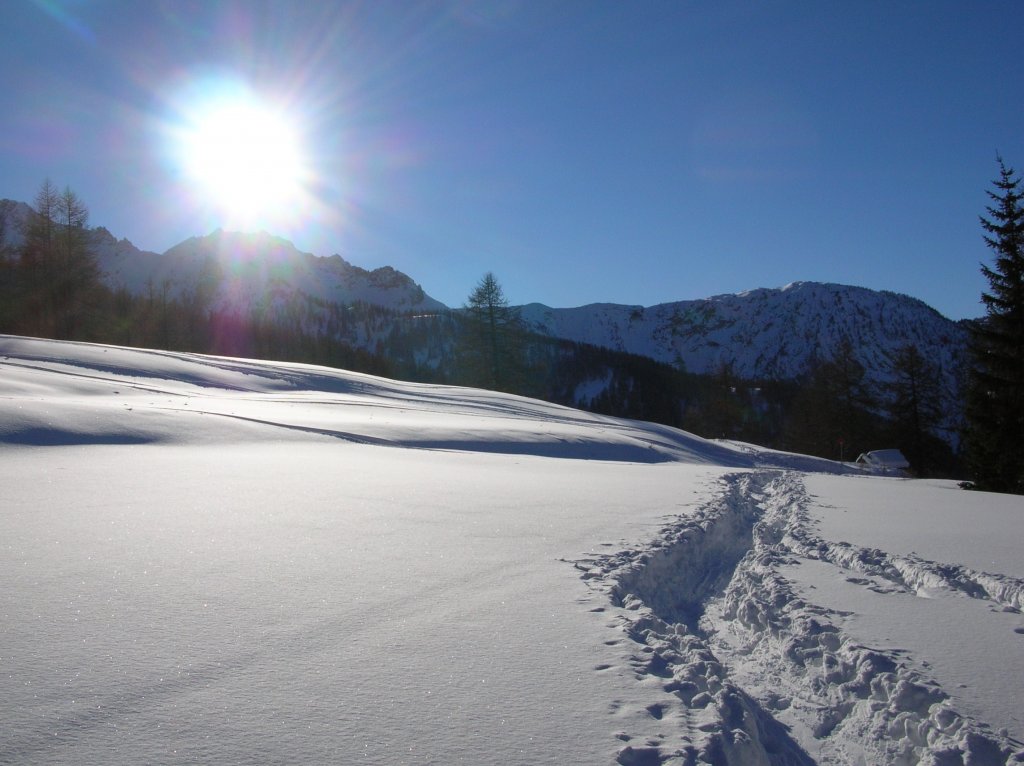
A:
{"points": [[995, 408], [492, 350], [914, 402]]}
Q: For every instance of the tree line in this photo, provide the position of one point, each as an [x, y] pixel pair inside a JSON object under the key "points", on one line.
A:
{"points": [[49, 288]]}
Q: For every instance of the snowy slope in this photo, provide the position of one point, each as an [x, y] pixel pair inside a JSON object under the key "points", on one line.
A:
{"points": [[231, 561]]}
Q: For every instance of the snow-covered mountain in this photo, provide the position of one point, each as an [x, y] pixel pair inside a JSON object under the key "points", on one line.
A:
{"points": [[761, 334], [243, 269], [258, 265], [767, 333]]}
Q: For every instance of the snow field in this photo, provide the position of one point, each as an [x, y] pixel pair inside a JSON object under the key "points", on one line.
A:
{"points": [[228, 561], [260, 602]]}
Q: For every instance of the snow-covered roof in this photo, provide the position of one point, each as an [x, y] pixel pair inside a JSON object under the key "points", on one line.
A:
{"points": [[884, 458]]}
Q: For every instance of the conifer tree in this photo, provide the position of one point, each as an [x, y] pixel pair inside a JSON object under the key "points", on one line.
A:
{"points": [[722, 409], [995, 408], [36, 262], [57, 267], [9, 294], [831, 415], [914, 403], [6, 207], [76, 267], [492, 348]]}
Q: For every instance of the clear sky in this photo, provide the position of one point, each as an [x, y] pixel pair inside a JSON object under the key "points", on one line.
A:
{"points": [[594, 151]]}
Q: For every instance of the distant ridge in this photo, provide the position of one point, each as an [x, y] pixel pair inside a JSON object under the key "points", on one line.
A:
{"points": [[767, 333]]}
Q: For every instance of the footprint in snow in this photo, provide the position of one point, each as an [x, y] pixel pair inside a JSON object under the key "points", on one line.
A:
{"points": [[657, 710]]}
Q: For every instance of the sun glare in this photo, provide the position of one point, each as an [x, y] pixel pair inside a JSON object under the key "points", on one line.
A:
{"points": [[243, 158]]}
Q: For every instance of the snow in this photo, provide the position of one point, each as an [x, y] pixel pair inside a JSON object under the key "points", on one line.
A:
{"points": [[774, 334], [228, 561], [955, 653], [933, 518]]}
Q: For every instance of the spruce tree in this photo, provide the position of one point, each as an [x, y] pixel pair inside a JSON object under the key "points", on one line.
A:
{"points": [[995, 408]]}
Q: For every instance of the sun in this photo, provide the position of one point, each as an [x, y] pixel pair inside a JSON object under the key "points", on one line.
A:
{"points": [[243, 158]]}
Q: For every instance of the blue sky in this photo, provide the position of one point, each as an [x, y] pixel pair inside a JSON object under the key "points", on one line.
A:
{"points": [[627, 152]]}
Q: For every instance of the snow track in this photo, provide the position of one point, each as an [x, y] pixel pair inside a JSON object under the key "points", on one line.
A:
{"points": [[754, 673]]}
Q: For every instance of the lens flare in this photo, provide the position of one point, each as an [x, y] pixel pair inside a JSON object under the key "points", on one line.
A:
{"points": [[241, 157]]}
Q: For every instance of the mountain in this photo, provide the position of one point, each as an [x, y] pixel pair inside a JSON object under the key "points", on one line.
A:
{"points": [[241, 270], [766, 334], [774, 334], [257, 265]]}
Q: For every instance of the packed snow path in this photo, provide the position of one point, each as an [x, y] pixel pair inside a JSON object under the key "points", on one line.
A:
{"points": [[755, 669], [227, 561]]}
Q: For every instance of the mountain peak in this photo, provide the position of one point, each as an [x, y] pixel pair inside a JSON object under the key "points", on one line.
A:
{"points": [[767, 333]]}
